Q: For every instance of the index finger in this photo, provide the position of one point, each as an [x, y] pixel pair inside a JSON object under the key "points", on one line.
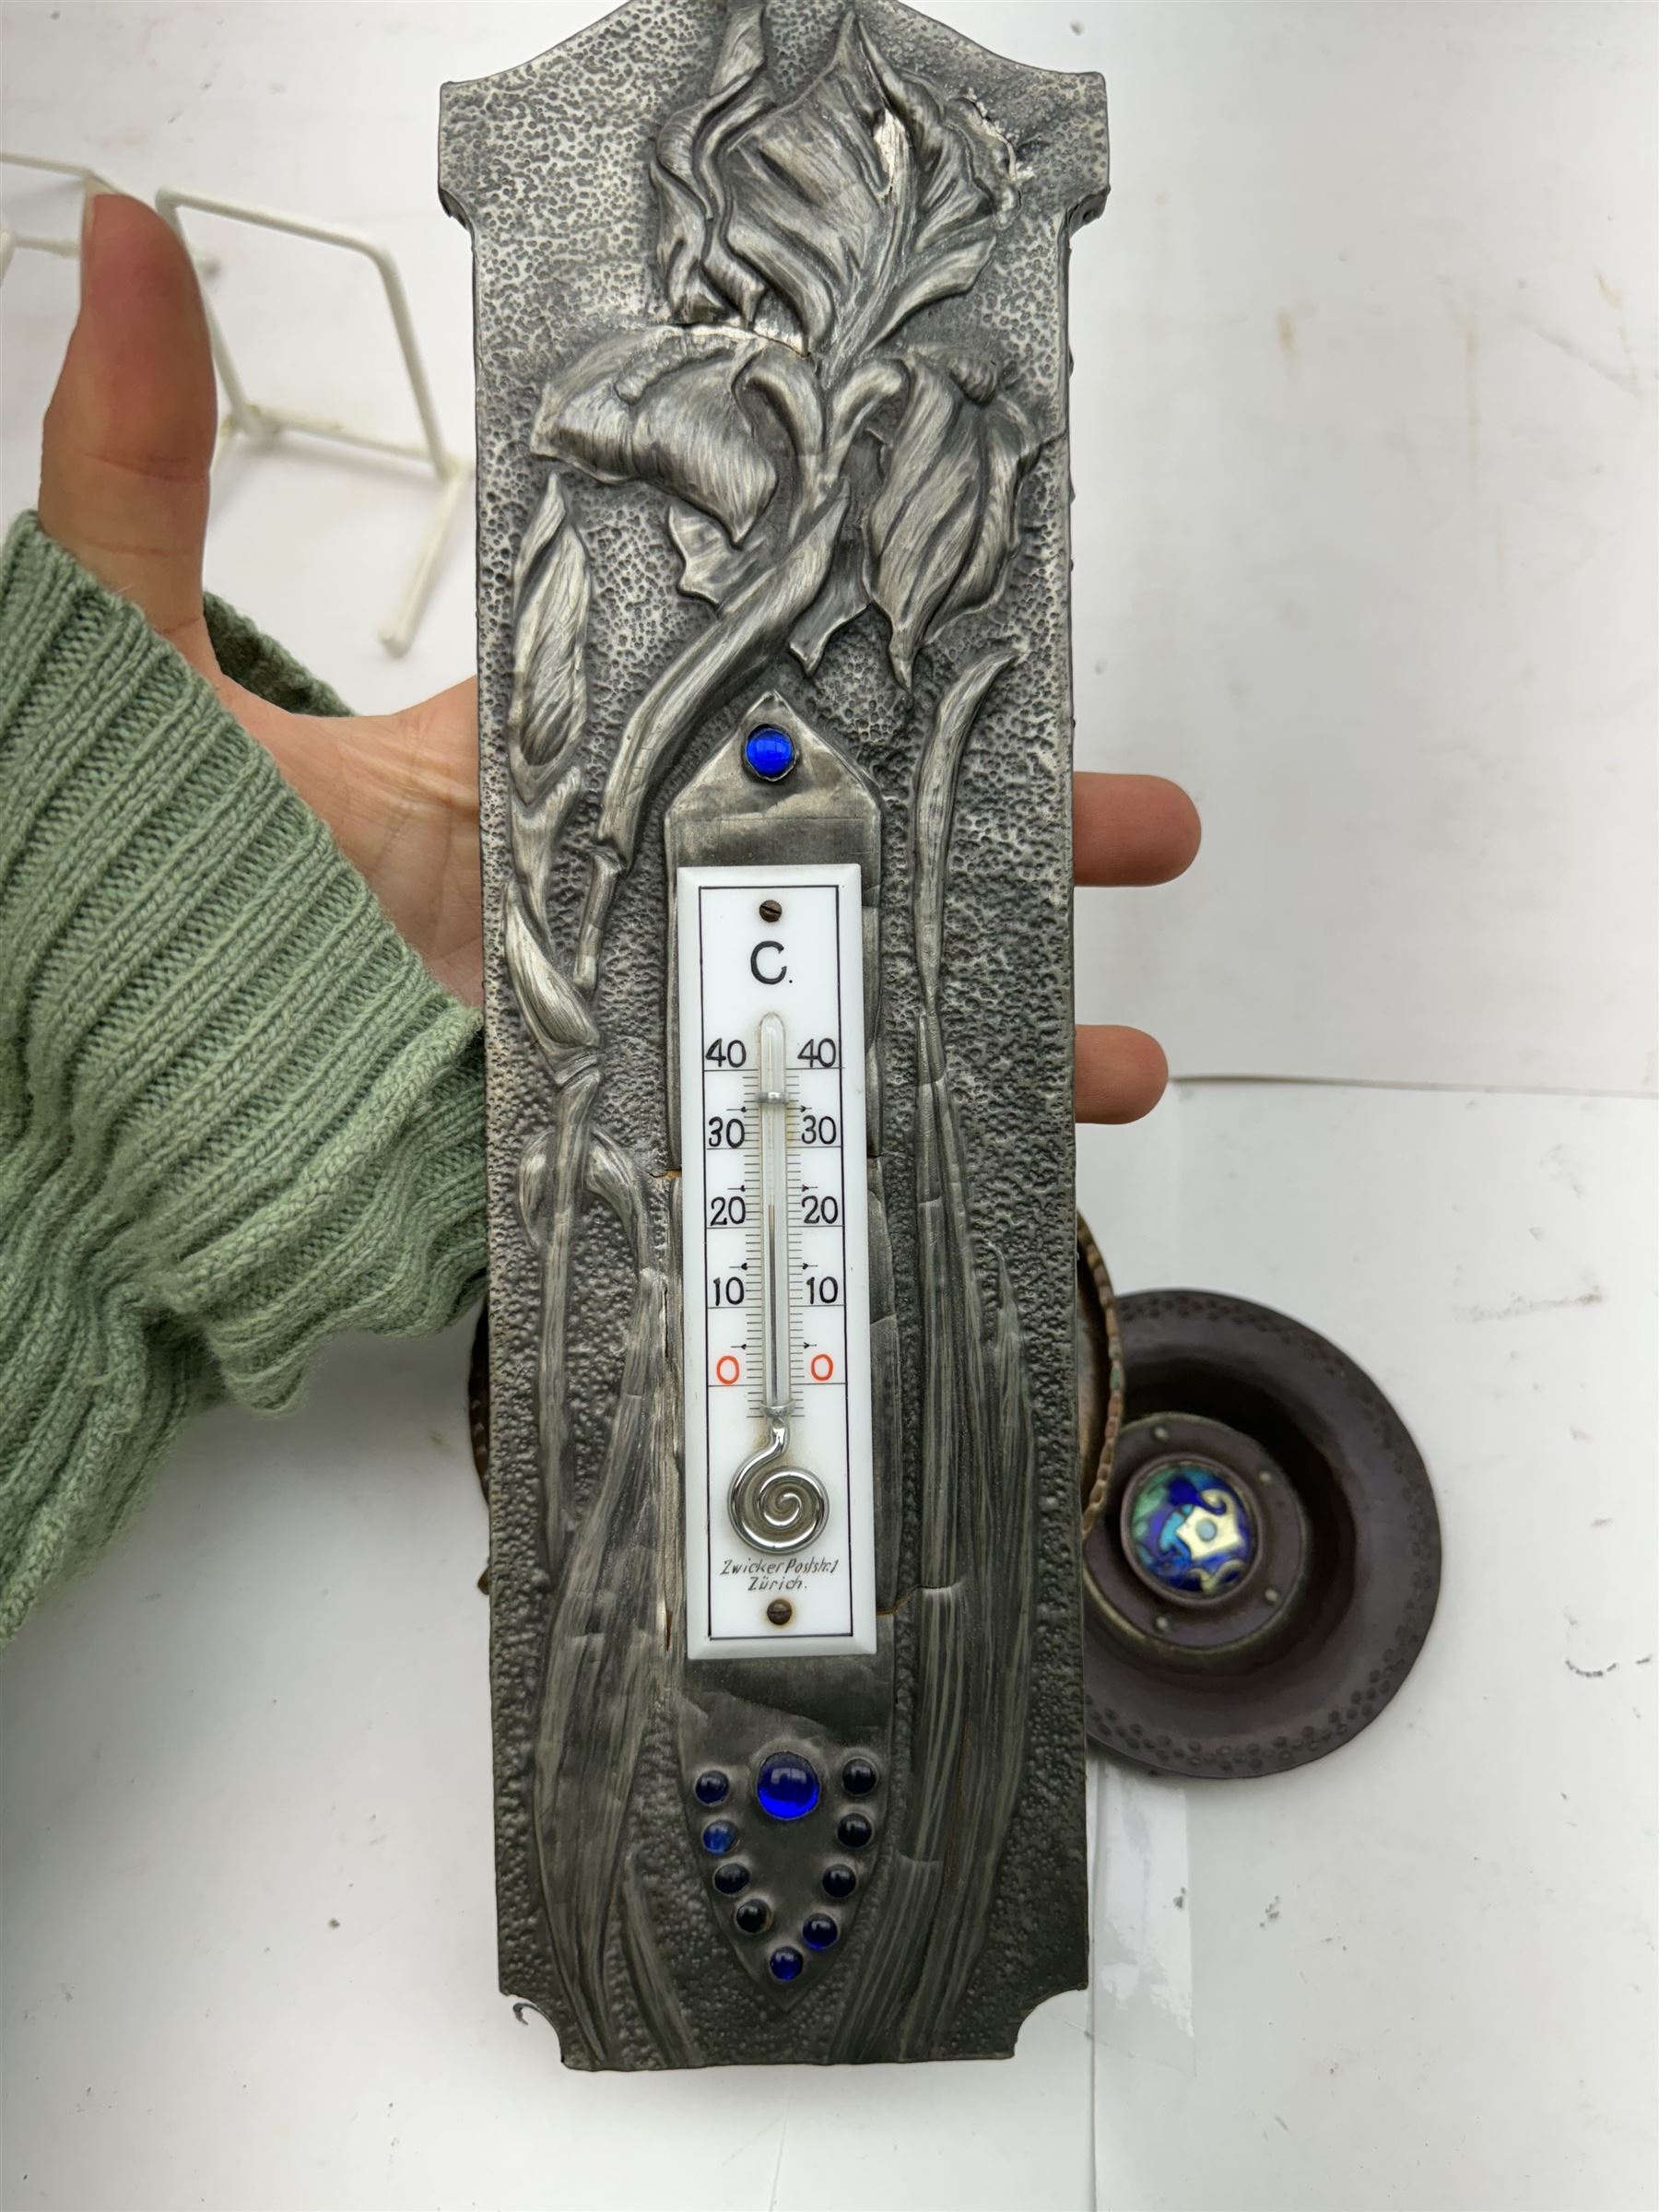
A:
{"points": [[1131, 829]]}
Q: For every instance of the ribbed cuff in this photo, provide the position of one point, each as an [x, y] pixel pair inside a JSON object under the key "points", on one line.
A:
{"points": [[236, 1114]]}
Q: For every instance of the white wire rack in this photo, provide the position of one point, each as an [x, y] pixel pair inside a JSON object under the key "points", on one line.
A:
{"points": [[262, 425], [13, 240]]}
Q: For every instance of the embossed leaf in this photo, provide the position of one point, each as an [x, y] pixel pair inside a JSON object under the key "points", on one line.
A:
{"points": [[966, 192], [945, 521], [846, 595], [536, 1186], [702, 280], [713, 568], [550, 590], [658, 406], [776, 380], [851, 205], [555, 1012]]}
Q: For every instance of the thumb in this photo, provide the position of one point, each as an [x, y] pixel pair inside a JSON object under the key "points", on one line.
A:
{"points": [[128, 438]]}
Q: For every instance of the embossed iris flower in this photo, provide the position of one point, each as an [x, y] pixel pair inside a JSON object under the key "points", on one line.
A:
{"points": [[807, 457]]}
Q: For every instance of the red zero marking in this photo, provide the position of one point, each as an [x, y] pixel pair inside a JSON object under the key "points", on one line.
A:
{"points": [[725, 1367], [823, 1367]]}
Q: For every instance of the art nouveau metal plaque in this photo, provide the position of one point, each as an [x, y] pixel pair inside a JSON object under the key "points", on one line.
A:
{"points": [[775, 695]]}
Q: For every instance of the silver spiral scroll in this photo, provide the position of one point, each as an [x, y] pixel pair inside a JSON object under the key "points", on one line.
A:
{"points": [[775, 1507]]}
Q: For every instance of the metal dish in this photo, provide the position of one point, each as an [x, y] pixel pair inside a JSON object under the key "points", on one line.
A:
{"points": [[1261, 1549]]}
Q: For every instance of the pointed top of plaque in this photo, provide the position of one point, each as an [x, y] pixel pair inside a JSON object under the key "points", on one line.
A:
{"points": [[877, 96]]}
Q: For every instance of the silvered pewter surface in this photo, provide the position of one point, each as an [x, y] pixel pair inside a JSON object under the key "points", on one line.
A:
{"points": [[771, 400]]}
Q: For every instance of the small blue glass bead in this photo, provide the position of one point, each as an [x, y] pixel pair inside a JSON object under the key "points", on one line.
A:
{"points": [[853, 1830], [839, 1881], [786, 1963], [820, 1931], [731, 1878], [768, 753], [719, 1836], [712, 1787], [859, 1777], [786, 1786], [753, 1916]]}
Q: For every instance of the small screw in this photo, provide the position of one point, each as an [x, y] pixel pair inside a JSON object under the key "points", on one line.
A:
{"points": [[779, 1612], [1265, 1474], [1161, 1623], [771, 909], [1160, 1436], [1270, 1595]]}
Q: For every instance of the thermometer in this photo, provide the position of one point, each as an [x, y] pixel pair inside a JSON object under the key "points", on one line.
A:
{"points": [[779, 1507]]}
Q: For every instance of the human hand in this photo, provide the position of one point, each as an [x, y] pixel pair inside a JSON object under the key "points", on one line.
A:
{"points": [[125, 452], [126, 455]]}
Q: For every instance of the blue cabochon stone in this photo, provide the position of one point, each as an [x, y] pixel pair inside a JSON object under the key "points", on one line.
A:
{"points": [[768, 753], [786, 1786]]}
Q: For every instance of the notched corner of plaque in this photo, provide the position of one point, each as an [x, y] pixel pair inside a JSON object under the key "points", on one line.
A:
{"points": [[458, 147], [1088, 144]]}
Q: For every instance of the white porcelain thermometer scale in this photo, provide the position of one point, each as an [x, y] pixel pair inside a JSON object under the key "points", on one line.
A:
{"points": [[780, 1553]]}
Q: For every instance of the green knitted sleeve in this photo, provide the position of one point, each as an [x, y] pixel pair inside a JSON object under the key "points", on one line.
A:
{"points": [[236, 1114]]}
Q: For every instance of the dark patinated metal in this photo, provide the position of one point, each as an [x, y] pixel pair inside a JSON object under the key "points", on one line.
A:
{"points": [[1100, 1375], [1315, 1635]]}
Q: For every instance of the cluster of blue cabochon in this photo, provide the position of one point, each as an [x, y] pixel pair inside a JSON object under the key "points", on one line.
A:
{"points": [[786, 1788]]}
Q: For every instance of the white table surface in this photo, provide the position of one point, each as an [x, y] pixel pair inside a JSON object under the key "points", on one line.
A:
{"points": [[1419, 1973], [1365, 442]]}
